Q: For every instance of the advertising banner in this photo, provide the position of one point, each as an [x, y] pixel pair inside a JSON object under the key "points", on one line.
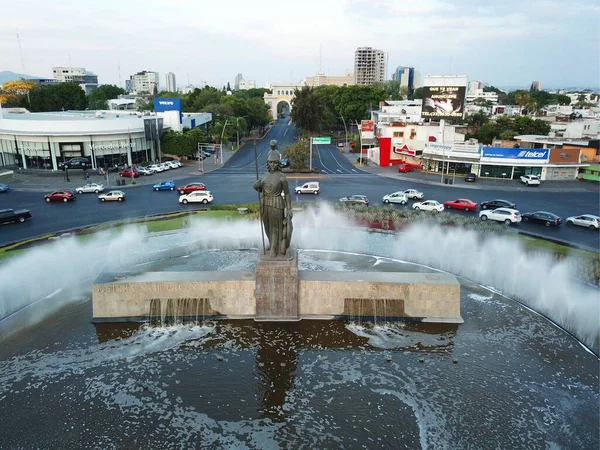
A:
{"points": [[403, 150], [168, 104], [443, 102], [515, 153], [564, 155], [466, 148], [367, 126]]}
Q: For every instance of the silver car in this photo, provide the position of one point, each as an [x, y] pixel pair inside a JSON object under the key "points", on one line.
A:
{"points": [[110, 196], [585, 220], [413, 194], [90, 187]]}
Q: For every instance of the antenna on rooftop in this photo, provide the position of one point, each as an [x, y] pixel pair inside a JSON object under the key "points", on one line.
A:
{"points": [[70, 64], [320, 57], [21, 53], [119, 67]]}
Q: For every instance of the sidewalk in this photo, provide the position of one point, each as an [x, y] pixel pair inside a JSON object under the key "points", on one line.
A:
{"points": [[46, 180], [432, 178]]}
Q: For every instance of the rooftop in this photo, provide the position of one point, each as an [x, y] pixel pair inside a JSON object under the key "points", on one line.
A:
{"points": [[69, 115]]}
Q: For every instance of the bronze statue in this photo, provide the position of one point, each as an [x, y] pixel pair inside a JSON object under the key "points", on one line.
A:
{"points": [[275, 209]]}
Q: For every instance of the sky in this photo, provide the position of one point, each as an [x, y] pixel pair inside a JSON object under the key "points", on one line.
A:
{"points": [[500, 42]]}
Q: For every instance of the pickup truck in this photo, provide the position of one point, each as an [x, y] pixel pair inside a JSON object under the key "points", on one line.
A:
{"points": [[10, 215], [530, 179]]}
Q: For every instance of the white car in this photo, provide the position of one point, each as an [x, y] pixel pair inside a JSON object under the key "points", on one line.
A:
{"points": [[396, 197], [505, 215], [196, 197], [90, 187], [165, 166], [156, 168], [413, 193], [312, 187], [112, 196], [173, 164], [145, 170], [428, 205], [585, 220], [530, 180]]}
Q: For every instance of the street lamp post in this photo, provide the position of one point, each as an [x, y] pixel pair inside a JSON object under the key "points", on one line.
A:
{"points": [[223, 134], [360, 147], [237, 128], [346, 129]]}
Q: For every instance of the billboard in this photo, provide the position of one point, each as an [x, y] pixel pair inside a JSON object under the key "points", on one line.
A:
{"points": [[404, 150], [153, 129], [366, 126], [515, 153], [168, 104], [466, 148], [564, 155], [443, 102]]}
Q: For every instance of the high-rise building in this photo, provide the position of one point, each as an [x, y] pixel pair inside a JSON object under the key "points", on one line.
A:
{"points": [[74, 75], [238, 79], [246, 84], [171, 85], [536, 86], [144, 82], [408, 77], [369, 66]]}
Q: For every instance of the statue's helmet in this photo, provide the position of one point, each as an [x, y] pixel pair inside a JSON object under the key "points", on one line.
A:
{"points": [[273, 156], [273, 143]]}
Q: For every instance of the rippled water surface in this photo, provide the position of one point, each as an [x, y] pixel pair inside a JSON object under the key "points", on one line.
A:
{"points": [[506, 378]]}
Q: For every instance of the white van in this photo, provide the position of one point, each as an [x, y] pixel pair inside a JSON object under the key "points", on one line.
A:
{"points": [[312, 187]]}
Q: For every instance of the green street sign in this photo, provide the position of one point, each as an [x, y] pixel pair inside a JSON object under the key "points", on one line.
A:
{"points": [[321, 140]]}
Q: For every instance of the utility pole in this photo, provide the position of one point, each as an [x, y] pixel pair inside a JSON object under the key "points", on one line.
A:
{"points": [[345, 128], [310, 157], [222, 134]]}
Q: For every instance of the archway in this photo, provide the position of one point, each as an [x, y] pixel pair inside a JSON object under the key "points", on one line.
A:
{"points": [[283, 108]]}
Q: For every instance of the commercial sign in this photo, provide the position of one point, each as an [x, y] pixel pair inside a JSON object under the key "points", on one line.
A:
{"points": [[321, 140], [515, 153], [168, 104], [443, 102], [404, 150], [113, 146], [367, 126], [564, 155], [466, 148], [153, 129]]}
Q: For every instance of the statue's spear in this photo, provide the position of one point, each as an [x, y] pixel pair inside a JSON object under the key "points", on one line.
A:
{"points": [[262, 231]]}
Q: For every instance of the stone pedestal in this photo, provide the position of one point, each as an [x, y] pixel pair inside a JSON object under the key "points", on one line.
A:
{"points": [[277, 289]]}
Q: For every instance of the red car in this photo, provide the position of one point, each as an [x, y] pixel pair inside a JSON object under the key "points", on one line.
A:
{"points": [[461, 203], [60, 196], [405, 168], [191, 187], [129, 173]]}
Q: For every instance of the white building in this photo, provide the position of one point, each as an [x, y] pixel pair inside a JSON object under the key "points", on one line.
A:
{"points": [[244, 85], [474, 94], [585, 128], [320, 79], [238, 79], [171, 84], [144, 82], [408, 111], [74, 75], [369, 66]]}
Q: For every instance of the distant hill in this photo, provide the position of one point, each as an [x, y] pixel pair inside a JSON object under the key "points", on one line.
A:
{"points": [[7, 75]]}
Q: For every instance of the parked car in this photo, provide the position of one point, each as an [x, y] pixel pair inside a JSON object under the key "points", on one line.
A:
{"points": [[547, 218], [498, 203], [156, 168], [191, 187], [428, 205], [112, 196], [11, 215], [471, 177], [129, 173], [506, 215], [355, 199], [405, 168], [78, 162], [413, 194], [165, 166], [164, 186], [173, 164], [60, 196], [585, 220], [196, 197], [312, 187], [4, 188], [90, 187], [396, 197], [144, 170], [530, 180], [461, 203]]}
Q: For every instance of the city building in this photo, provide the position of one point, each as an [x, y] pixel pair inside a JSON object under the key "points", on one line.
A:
{"points": [[408, 77], [238, 79], [128, 86], [246, 84], [320, 79], [390, 111], [171, 84], [144, 82], [74, 75], [536, 86], [43, 140], [478, 93], [369, 66]]}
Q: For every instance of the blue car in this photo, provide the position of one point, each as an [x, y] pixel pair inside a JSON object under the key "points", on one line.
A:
{"points": [[4, 188], [164, 186]]}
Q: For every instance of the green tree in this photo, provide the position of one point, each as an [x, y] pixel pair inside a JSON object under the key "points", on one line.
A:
{"points": [[297, 154], [477, 120], [308, 110], [418, 94], [258, 113], [58, 97], [98, 98], [178, 144]]}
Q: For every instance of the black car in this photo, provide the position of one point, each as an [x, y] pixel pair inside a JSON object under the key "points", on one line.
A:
{"points": [[547, 218], [355, 200], [75, 163], [498, 203], [470, 177]]}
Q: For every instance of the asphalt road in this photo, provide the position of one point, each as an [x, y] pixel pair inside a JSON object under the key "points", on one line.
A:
{"points": [[232, 184]]}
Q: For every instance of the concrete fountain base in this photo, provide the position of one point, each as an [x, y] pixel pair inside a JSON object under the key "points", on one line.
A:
{"points": [[277, 291]]}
